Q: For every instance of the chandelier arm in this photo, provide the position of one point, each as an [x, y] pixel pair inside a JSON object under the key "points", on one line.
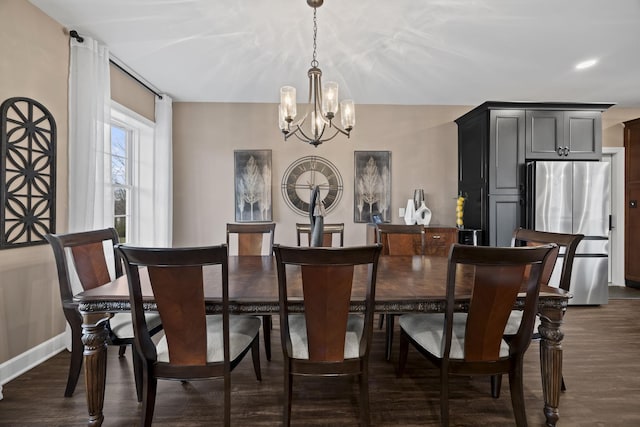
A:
{"points": [[305, 137]]}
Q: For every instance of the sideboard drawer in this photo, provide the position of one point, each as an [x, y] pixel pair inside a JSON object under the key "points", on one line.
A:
{"points": [[438, 240]]}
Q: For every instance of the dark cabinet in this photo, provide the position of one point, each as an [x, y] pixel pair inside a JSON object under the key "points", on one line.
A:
{"points": [[632, 200], [490, 173], [563, 135], [495, 140]]}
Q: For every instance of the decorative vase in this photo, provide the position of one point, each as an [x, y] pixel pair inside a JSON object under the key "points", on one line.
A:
{"points": [[409, 213], [423, 214], [418, 198]]}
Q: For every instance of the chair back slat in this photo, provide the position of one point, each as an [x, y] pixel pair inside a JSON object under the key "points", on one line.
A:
{"points": [[399, 240], [549, 265], [494, 294], [91, 265], [182, 313], [327, 294], [250, 244], [567, 246], [251, 236], [327, 233]]}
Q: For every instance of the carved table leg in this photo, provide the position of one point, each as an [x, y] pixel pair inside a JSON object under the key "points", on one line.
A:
{"points": [[551, 360], [94, 338]]}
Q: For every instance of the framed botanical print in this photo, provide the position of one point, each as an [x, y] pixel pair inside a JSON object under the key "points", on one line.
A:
{"points": [[252, 170], [372, 186]]}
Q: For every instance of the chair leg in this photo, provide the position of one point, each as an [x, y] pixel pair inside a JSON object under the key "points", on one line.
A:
{"points": [[517, 394], [227, 397], [389, 340], [365, 419], [148, 398], [563, 387], [75, 365], [122, 350], [496, 386], [444, 397], [138, 374], [404, 350], [266, 329], [288, 385], [255, 356], [381, 321]]}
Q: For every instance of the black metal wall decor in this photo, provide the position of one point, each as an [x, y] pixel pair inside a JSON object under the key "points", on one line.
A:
{"points": [[27, 173]]}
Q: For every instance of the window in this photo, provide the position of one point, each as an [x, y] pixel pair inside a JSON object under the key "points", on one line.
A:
{"points": [[121, 142], [131, 174]]}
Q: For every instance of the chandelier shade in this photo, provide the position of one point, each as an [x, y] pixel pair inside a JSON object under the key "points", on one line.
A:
{"points": [[317, 124]]}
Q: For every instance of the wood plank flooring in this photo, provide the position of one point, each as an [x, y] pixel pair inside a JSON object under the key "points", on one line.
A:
{"points": [[601, 368]]}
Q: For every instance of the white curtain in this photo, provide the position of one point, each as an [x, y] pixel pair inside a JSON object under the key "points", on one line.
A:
{"points": [[90, 198], [163, 173]]}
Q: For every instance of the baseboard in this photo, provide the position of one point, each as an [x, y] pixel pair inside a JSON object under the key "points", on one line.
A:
{"points": [[31, 358]]}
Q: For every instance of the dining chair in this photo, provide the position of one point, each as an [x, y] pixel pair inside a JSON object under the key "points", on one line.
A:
{"points": [[398, 240], [565, 251], [328, 232], [252, 239], [326, 340], [195, 345], [83, 261], [401, 239], [472, 343]]}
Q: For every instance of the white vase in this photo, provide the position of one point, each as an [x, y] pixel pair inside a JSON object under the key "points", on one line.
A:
{"points": [[409, 213], [423, 215]]}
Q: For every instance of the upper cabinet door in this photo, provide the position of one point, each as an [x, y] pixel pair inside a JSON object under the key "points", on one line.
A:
{"points": [[583, 135], [545, 132], [563, 135]]}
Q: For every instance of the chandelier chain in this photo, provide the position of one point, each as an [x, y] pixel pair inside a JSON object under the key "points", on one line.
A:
{"points": [[314, 62]]}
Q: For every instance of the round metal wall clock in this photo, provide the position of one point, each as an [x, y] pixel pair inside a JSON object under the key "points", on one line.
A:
{"points": [[305, 173]]}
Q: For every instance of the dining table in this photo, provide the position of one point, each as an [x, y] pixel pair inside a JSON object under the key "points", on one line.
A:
{"points": [[404, 284]]}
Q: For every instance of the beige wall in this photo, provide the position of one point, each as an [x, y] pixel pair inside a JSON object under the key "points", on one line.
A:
{"points": [[34, 62], [422, 141]]}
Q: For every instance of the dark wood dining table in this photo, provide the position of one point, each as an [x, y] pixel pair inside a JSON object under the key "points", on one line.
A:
{"points": [[404, 284]]}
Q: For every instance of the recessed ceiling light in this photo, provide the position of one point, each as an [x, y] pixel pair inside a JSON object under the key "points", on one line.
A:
{"points": [[586, 64]]}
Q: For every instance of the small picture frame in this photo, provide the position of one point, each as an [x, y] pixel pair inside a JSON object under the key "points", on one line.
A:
{"points": [[252, 180], [372, 186]]}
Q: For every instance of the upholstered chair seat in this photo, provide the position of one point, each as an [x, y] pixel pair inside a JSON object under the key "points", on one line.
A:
{"points": [[428, 330], [300, 342], [242, 331], [122, 327]]}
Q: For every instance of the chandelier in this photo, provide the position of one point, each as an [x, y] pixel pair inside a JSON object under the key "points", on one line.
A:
{"points": [[322, 105]]}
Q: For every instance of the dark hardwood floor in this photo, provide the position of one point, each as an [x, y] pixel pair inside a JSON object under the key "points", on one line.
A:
{"points": [[601, 369]]}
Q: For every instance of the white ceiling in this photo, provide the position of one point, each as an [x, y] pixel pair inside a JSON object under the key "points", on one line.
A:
{"points": [[455, 52]]}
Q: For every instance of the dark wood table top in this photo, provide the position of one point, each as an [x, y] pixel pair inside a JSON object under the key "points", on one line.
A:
{"points": [[404, 284]]}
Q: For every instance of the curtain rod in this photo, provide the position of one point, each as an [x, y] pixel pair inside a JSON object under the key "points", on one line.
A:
{"points": [[80, 39]]}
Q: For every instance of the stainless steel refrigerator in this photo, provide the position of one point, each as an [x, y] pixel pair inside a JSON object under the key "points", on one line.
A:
{"points": [[574, 197]]}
